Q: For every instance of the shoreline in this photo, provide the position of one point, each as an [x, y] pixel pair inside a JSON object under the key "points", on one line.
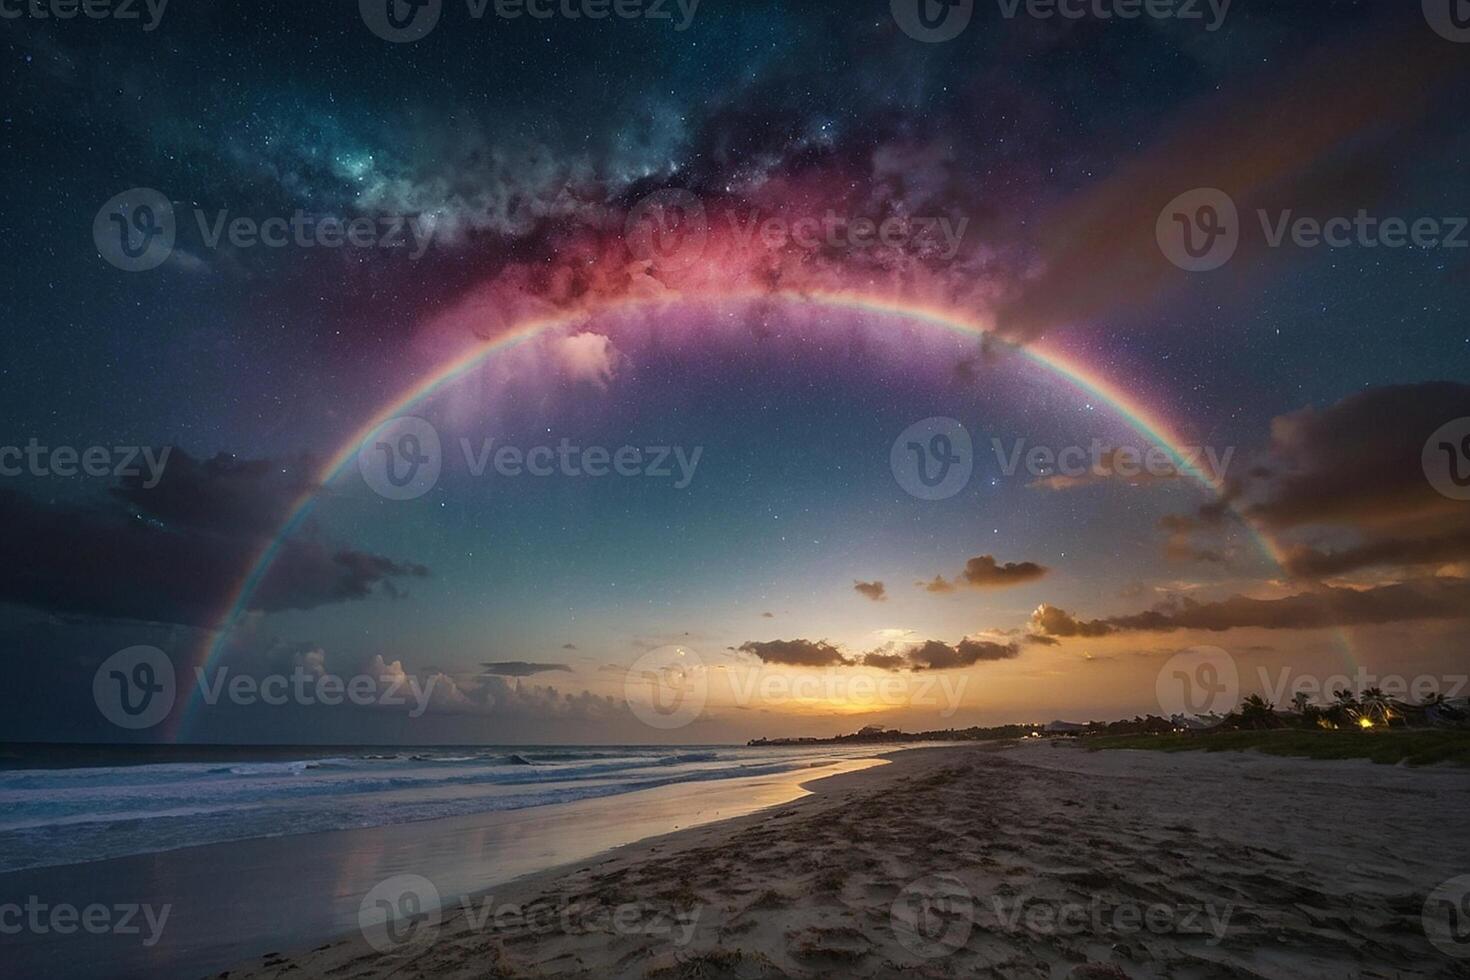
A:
{"points": [[881, 773], [302, 889], [958, 860]]}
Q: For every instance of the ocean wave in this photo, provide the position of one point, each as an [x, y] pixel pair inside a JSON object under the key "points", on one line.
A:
{"points": [[275, 768], [68, 816]]}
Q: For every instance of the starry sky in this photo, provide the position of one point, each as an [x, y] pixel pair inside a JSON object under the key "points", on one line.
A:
{"points": [[1025, 165]]}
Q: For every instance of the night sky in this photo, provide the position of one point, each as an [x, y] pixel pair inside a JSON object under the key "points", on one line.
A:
{"points": [[1049, 148]]}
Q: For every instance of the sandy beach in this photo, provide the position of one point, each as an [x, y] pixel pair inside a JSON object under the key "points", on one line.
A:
{"points": [[1026, 860]]}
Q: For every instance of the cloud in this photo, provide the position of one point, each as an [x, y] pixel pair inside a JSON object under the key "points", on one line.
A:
{"points": [[885, 661], [173, 554], [875, 591], [1308, 562], [287, 658], [796, 653], [1357, 462], [1326, 606], [307, 573], [985, 573], [222, 494], [1049, 621], [938, 655], [520, 668], [926, 655], [934, 655], [1343, 488], [589, 357]]}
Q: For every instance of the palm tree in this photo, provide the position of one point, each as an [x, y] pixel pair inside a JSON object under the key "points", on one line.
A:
{"points": [[1437, 708], [1311, 714], [1343, 711], [1376, 706], [1257, 712]]}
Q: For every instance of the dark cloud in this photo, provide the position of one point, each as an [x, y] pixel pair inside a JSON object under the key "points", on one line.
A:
{"points": [[176, 552], [796, 653], [1049, 621], [1311, 562], [886, 661], [223, 494], [875, 591], [938, 655], [930, 655], [1344, 488], [938, 584], [519, 668], [307, 573], [1358, 462], [985, 573], [1421, 599], [935, 655]]}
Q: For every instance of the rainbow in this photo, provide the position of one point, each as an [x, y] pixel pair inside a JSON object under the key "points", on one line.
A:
{"points": [[1138, 415]]}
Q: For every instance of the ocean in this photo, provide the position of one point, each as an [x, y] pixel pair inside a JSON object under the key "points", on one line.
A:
{"points": [[69, 805]]}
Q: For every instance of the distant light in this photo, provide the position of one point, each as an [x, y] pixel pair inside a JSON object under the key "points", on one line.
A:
{"points": [[1365, 722]]}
